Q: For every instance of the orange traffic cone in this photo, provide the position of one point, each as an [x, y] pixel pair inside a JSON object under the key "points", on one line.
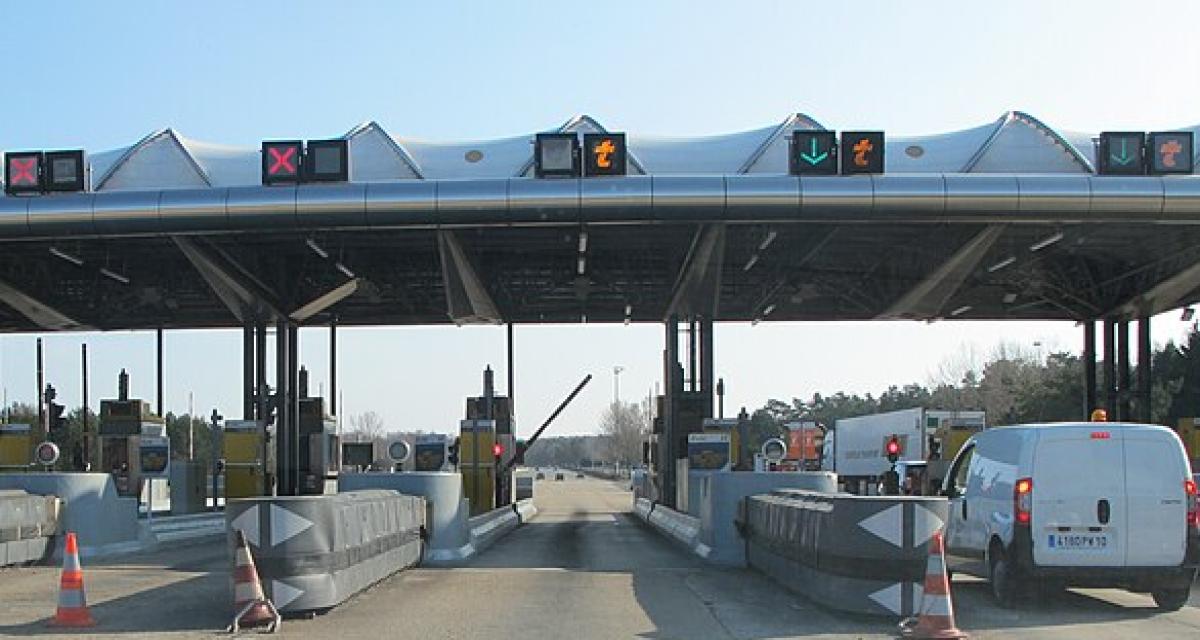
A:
{"points": [[251, 607], [936, 618], [72, 605]]}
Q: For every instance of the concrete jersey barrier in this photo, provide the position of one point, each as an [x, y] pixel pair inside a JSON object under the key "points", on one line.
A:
{"points": [[27, 524], [853, 553], [105, 522], [315, 552]]}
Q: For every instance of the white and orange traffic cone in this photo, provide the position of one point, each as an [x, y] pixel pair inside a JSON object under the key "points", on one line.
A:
{"points": [[251, 607], [72, 605], [935, 621]]}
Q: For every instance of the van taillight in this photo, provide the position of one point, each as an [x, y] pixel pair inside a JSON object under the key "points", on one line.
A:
{"points": [[1023, 501], [1193, 510]]}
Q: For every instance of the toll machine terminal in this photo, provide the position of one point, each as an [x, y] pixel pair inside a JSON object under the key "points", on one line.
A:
{"points": [[319, 453], [249, 459], [124, 422]]}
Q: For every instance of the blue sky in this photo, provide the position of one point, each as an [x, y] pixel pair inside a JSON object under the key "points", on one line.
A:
{"points": [[99, 75]]}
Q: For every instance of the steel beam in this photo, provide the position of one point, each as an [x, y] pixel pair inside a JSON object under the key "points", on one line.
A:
{"points": [[243, 295], [467, 298], [697, 288], [325, 300], [1166, 295], [927, 299], [40, 313]]}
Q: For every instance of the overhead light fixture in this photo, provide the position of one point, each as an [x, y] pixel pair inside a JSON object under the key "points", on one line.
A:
{"points": [[768, 310], [1187, 314], [583, 238], [1045, 242], [1003, 263], [771, 235], [961, 310], [1010, 298], [582, 264], [66, 256], [312, 244], [115, 276], [345, 270], [751, 262]]}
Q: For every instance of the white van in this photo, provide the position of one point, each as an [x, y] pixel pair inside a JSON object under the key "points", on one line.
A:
{"points": [[1075, 504]]}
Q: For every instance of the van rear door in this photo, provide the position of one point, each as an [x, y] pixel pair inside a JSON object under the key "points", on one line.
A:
{"points": [[1154, 475], [1079, 506]]}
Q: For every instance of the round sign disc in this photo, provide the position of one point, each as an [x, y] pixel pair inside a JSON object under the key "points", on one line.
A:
{"points": [[46, 453]]}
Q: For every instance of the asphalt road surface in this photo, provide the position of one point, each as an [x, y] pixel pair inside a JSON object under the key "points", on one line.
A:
{"points": [[582, 569]]}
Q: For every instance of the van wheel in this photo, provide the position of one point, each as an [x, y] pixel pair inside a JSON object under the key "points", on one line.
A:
{"points": [[1004, 587], [1170, 599]]}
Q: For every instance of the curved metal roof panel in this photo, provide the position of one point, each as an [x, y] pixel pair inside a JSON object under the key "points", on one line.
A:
{"points": [[1016, 143]]}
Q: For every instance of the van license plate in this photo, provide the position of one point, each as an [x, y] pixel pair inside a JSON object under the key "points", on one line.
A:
{"points": [[1079, 541]]}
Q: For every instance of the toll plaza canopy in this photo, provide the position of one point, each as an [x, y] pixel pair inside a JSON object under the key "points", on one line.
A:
{"points": [[1008, 220]]}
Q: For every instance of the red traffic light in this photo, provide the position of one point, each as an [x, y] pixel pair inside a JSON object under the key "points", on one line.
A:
{"points": [[497, 449], [893, 447]]}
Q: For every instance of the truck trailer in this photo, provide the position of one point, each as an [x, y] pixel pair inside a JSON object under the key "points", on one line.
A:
{"points": [[854, 449]]}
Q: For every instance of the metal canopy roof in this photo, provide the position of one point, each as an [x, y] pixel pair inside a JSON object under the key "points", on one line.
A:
{"points": [[1000, 221]]}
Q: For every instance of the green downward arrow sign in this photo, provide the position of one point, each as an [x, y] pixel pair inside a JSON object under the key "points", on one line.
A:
{"points": [[1124, 158], [814, 158]]}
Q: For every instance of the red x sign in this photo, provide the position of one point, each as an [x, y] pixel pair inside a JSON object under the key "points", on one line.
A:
{"points": [[22, 171], [282, 160]]}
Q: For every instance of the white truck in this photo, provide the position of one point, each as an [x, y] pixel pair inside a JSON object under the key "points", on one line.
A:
{"points": [[854, 449]]}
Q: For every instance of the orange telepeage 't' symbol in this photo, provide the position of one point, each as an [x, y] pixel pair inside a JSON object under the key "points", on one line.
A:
{"points": [[602, 151], [861, 148], [1169, 150]]}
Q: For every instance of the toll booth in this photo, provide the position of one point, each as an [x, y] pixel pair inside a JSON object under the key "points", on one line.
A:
{"points": [[249, 459], [319, 454], [431, 452], [477, 464], [16, 441], [499, 411], [123, 423]]}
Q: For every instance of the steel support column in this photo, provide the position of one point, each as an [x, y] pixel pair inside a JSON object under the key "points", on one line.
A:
{"points": [[333, 367], [693, 347], [512, 394], [293, 397], [283, 440], [1110, 368], [1089, 368], [668, 451], [248, 371], [159, 368], [1124, 379], [260, 371], [707, 385], [1145, 413]]}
